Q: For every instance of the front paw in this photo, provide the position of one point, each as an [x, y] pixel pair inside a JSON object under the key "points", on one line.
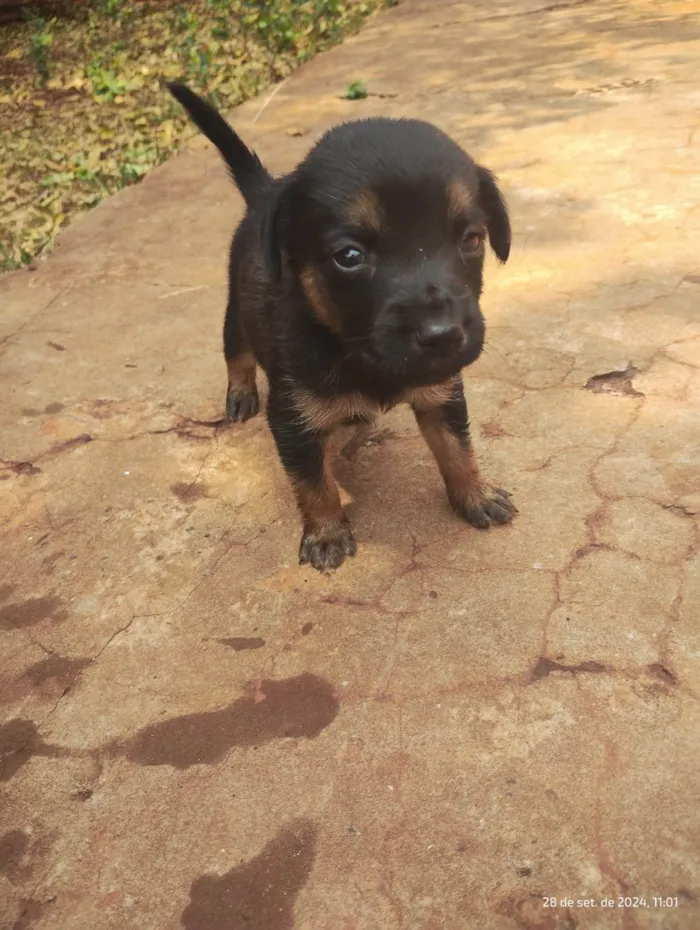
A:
{"points": [[326, 549], [486, 507], [241, 405]]}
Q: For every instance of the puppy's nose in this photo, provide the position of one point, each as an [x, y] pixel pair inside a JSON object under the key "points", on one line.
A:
{"points": [[440, 335]]}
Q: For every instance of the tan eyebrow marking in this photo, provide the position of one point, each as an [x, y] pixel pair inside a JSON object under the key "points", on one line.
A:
{"points": [[459, 199], [365, 210]]}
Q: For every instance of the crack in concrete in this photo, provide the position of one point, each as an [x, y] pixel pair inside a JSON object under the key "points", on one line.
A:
{"points": [[201, 468], [122, 629], [45, 649], [551, 8], [183, 429], [55, 707], [499, 17], [607, 868], [10, 336], [206, 575], [30, 468]]}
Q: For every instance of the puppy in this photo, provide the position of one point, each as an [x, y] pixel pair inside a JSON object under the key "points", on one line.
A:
{"points": [[355, 284]]}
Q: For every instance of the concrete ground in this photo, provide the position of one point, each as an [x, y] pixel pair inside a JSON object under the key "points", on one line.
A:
{"points": [[456, 727]]}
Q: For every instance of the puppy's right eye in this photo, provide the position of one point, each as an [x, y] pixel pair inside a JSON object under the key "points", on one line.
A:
{"points": [[350, 258]]}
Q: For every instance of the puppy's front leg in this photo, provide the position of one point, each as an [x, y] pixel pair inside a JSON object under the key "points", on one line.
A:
{"points": [[446, 430], [327, 537]]}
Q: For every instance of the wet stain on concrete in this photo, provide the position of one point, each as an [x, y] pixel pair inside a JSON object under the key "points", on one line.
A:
{"points": [[56, 669], [101, 409], [49, 563], [493, 430], [259, 894], [663, 673], [188, 492], [545, 667], [13, 846], [30, 911], [51, 677], [6, 592], [70, 444], [296, 707], [19, 468], [32, 611], [239, 643], [19, 742], [342, 599]]}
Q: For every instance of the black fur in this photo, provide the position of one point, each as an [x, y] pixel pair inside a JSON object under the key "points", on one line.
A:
{"points": [[417, 210], [246, 169]]}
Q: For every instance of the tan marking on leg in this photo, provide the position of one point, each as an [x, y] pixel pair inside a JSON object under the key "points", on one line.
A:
{"points": [[457, 462], [241, 372], [320, 506]]}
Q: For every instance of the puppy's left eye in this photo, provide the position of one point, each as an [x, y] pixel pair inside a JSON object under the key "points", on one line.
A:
{"points": [[350, 258], [471, 241]]}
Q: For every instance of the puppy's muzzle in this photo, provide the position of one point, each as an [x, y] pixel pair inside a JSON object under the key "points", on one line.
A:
{"points": [[439, 320], [441, 335]]}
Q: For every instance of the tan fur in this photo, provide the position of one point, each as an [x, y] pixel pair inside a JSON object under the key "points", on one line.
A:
{"points": [[366, 211], [320, 303], [241, 372], [320, 507], [427, 398], [459, 200], [326, 413], [457, 463], [323, 414]]}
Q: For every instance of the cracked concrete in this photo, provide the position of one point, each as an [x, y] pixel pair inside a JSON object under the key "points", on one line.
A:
{"points": [[197, 733]]}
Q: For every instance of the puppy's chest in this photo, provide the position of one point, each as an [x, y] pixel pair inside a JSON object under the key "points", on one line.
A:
{"points": [[324, 413]]}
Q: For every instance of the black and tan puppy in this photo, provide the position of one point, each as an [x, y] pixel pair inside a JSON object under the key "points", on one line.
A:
{"points": [[355, 284]]}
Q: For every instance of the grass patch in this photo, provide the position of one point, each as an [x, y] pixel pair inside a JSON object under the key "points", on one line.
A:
{"points": [[82, 109]]}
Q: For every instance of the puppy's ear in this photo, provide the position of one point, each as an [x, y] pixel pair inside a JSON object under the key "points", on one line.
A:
{"points": [[494, 206], [274, 229]]}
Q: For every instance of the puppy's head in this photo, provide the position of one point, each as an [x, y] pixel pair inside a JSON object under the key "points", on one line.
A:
{"points": [[383, 227]]}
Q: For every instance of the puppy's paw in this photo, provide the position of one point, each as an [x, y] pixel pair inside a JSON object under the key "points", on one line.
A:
{"points": [[487, 507], [327, 550], [241, 405]]}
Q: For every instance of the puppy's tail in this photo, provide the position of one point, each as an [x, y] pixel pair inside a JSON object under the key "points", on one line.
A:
{"points": [[248, 172]]}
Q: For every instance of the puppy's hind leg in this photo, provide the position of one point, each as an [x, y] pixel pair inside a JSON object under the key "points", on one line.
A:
{"points": [[242, 401]]}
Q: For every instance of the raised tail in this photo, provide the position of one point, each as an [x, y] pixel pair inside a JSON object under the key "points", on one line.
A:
{"points": [[248, 172]]}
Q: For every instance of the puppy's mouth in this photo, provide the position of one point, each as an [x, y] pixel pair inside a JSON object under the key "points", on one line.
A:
{"points": [[417, 342], [418, 362]]}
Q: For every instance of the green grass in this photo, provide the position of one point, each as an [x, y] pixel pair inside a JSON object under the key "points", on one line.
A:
{"points": [[356, 91], [83, 111]]}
